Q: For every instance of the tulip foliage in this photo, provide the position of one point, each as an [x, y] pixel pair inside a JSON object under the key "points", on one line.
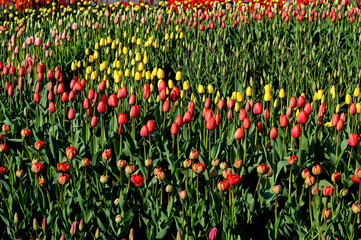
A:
{"points": [[180, 120]]}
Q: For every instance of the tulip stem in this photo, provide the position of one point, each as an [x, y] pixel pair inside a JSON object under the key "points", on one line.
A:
{"points": [[210, 147], [183, 212], [324, 207], [259, 181], [133, 128], [186, 183], [303, 190], [290, 183], [309, 205], [197, 188], [120, 143], [353, 225], [102, 129], [37, 114], [237, 149], [349, 159], [178, 152], [161, 193], [359, 193], [276, 214], [52, 124], [61, 195], [145, 150], [86, 191]]}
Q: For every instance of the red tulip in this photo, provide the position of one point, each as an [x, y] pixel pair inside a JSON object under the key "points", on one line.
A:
{"points": [[234, 179], [36, 97], [340, 125], [134, 111], [137, 179], [113, 101], [122, 118], [301, 102], [101, 107], [308, 108], [37, 167], [39, 145], [221, 104], [207, 103], [174, 128], [144, 131], [231, 104], [94, 121], [163, 95], [91, 93], [283, 121], [327, 191], [336, 177], [246, 123], [146, 91], [166, 106], [273, 133], [194, 155], [122, 92], [179, 121], [353, 140], [211, 124], [230, 115], [223, 185], [187, 117], [352, 109], [150, 126], [63, 167], [63, 179], [293, 102], [132, 99], [51, 107], [296, 131], [199, 168], [355, 180], [292, 160], [257, 109], [239, 133], [262, 168], [71, 114], [302, 117], [174, 94], [107, 154], [70, 152], [242, 114], [25, 133], [317, 170], [335, 119]]}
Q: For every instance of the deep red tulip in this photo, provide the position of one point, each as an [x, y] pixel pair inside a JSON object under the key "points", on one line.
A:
{"points": [[63, 167], [293, 102], [246, 123], [71, 114], [36, 97], [336, 177], [221, 104], [233, 179], [301, 102], [308, 108], [335, 119], [327, 191], [70, 152], [283, 121], [63, 179], [239, 133], [179, 121], [174, 94], [94, 121], [211, 124], [86, 103], [352, 109], [242, 114], [231, 104], [187, 117]]}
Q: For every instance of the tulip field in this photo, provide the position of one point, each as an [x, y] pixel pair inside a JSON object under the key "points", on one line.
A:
{"points": [[180, 120]]}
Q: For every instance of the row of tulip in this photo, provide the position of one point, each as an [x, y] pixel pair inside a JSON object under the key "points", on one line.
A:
{"points": [[117, 119]]}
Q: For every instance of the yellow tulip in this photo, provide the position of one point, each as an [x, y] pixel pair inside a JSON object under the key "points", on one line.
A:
{"points": [[166, 37], [315, 96], [323, 99], [298, 112], [96, 46], [275, 103], [356, 93], [358, 107], [282, 93], [267, 97], [210, 89], [158, 100], [178, 76], [328, 124], [107, 83], [109, 71], [96, 55], [154, 72], [150, 100], [170, 84], [239, 97], [116, 88], [193, 98], [145, 59], [148, 75], [186, 85], [204, 98], [348, 99], [87, 52], [139, 41], [201, 89], [217, 98], [127, 73], [267, 88], [109, 40], [176, 103], [138, 57], [160, 74], [332, 90], [249, 92], [234, 95], [114, 46], [125, 50], [319, 94], [338, 108], [181, 35], [237, 107], [182, 94], [73, 66], [138, 76], [140, 67], [102, 42], [151, 87]]}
